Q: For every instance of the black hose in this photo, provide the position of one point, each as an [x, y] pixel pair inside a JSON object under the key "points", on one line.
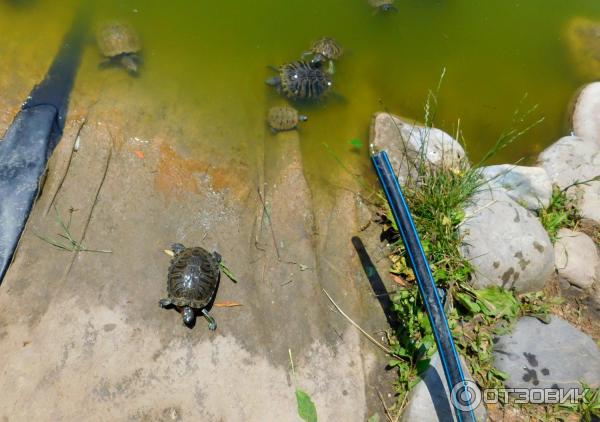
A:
{"points": [[31, 139], [427, 288]]}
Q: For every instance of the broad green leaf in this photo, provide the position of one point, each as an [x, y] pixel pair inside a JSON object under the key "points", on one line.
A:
{"points": [[306, 408], [468, 303], [497, 302]]}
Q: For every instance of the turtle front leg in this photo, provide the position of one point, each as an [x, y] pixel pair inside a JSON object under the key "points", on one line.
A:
{"points": [[212, 324], [177, 247], [331, 68], [163, 303]]}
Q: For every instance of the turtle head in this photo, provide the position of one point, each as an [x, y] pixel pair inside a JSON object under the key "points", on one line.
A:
{"points": [[188, 316], [317, 60], [131, 63], [274, 81], [217, 257], [388, 7], [302, 117]]}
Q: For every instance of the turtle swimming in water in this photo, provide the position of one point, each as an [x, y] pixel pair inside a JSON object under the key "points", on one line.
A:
{"points": [[119, 44], [383, 5], [325, 49], [192, 282], [301, 80], [282, 118]]}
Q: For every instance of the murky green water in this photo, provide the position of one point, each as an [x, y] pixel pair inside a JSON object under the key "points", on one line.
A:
{"points": [[212, 57]]}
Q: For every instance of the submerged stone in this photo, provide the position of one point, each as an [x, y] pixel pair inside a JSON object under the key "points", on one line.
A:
{"points": [[583, 42], [529, 186], [506, 244], [554, 355]]}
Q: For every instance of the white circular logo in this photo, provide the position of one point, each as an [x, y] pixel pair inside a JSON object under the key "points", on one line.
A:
{"points": [[465, 396]]}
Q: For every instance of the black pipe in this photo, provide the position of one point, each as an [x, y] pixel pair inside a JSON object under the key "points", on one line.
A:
{"points": [[461, 397], [31, 139]]}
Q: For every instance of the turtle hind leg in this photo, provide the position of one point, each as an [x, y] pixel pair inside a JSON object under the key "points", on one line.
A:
{"points": [[212, 324], [164, 303]]}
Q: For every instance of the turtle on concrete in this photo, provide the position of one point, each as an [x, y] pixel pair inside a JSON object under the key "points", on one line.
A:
{"points": [[119, 44], [282, 118], [301, 80], [192, 282], [383, 5], [325, 49]]}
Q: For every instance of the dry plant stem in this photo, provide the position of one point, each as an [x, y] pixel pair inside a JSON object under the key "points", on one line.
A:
{"points": [[375, 342]]}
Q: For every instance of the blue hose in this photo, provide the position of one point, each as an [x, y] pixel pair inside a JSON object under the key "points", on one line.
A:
{"points": [[427, 288]]}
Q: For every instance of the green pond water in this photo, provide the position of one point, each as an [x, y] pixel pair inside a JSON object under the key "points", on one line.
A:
{"points": [[212, 57]]}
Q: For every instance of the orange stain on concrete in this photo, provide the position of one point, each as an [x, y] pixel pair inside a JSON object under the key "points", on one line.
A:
{"points": [[175, 174]]}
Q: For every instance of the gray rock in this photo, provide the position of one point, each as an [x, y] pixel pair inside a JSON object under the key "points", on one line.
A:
{"points": [[529, 186], [586, 114], [409, 144], [589, 200], [576, 258], [555, 355], [570, 160], [429, 400], [506, 244]]}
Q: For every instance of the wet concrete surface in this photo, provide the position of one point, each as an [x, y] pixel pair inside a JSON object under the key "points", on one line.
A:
{"points": [[81, 333]]}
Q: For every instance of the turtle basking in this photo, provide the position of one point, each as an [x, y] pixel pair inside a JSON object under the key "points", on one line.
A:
{"points": [[119, 44], [192, 282], [301, 80], [383, 5], [325, 49], [282, 118]]}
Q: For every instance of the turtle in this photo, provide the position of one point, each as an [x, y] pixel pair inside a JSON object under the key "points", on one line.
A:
{"points": [[119, 44], [192, 282], [325, 49], [301, 80], [383, 5], [282, 118]]}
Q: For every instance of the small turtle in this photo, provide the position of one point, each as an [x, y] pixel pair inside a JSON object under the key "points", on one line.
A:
{"points": [[301, 81], [192, 282], [383, 5], [325, 49], [120, 44], [284, 118]]}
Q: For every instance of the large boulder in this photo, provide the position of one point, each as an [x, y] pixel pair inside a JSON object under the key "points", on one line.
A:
{"points": [[583, 42], [506, 243], [577, 259], [529, 186], [554, 355], [409, 144], [571, 160], [586, 113], [429, 400]]}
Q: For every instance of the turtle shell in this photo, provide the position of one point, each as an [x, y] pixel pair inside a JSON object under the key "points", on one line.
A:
{"points": [[303, 80], [116, 38], [193, 278], [282, 118], [328, 48]]}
